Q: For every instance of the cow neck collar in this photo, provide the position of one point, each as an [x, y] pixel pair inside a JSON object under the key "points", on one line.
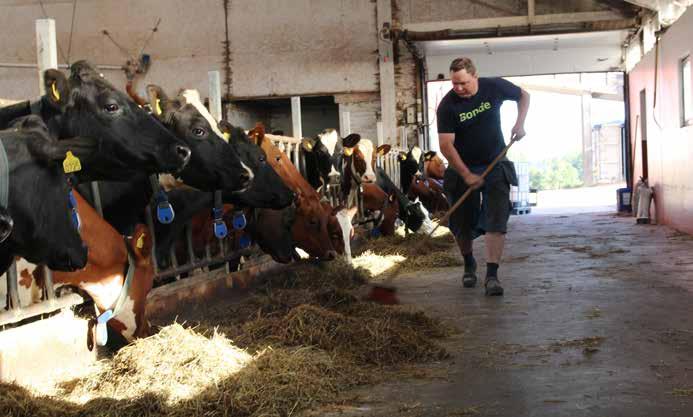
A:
{"points": [[4, 177], [124, 290]]}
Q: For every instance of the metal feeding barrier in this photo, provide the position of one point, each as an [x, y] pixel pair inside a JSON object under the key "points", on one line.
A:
{"points": [[217, 255]]}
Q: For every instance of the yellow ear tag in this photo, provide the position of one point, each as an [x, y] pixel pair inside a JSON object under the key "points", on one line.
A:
{"points": [[348, 151], [227, 136], [71, 163], [308, 146], [140, 241], [56, 93], [157, 107]]}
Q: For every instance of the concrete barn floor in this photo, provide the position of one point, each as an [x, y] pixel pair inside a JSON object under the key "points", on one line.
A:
{"points": [[597, 320]]}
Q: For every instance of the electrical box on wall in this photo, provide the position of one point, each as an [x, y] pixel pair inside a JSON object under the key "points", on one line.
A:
{"points": [[411, 115]]}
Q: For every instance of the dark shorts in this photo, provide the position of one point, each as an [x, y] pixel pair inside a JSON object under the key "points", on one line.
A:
{"points": [[487, 209]]}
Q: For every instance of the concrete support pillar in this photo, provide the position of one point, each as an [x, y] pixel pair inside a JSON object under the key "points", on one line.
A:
{"points": [[297, 127], [379, 130], [587, 151], [215, 95], [386, 68], [46, 48], [344, 122]]}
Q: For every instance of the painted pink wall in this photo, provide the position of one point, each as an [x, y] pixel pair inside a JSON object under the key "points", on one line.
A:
{"points": [[670, 146]]}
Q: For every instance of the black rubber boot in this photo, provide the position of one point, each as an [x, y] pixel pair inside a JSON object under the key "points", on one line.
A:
{"points": [[493, 286], [469, 277]]}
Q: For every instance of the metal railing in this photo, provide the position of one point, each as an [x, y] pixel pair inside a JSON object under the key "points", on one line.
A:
{"points": [[16, 313], [224, 254], [390, 163]]}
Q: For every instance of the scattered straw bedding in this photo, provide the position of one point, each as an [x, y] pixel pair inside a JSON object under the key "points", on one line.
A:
{"points": [[414, 252], [301, 340]]}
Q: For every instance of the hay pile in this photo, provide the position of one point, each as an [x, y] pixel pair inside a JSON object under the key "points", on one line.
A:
{"points": [[300, 340], [175, 363], [414, 252], [273, 382], [368, 336]]}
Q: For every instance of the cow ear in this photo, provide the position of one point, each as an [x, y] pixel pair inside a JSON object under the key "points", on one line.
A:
{"points": [[79, 149], [57, 88], [383, 149], [158, 100], [351, 140], [141, 242], [308, 144], [226, 129], [257, 134]]}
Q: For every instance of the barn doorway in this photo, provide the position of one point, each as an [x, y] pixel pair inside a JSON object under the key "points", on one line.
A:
{"points": [[573, 156]]}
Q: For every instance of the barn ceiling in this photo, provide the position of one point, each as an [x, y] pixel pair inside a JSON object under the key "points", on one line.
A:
{"points": [[561, 41]]}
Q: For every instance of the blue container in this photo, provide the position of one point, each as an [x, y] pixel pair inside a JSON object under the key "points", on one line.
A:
{"points": [[623, 200]]}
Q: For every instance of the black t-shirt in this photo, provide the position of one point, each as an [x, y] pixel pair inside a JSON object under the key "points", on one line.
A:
{"points": [[475, 121]]}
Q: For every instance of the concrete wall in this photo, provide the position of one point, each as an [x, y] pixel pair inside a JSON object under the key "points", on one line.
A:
{"points": [[670, 146], [328, 47]]}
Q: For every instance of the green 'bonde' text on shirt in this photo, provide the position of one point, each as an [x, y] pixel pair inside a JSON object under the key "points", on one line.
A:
{"points": [[475, 121]]}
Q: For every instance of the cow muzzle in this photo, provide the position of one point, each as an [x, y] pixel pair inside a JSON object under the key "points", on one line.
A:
{"points": [[6, 224], [183, 153]]}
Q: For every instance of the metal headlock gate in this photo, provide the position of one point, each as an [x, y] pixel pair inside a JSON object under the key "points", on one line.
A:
{"points": [[52, 303]]}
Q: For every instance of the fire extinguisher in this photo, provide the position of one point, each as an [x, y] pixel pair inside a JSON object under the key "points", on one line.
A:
{"points": [[643, 199]]}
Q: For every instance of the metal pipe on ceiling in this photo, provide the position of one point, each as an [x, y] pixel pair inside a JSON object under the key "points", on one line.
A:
{"points": [[61, 66]]}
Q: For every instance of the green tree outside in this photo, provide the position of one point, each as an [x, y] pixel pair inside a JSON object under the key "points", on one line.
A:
{"points": [[557, 173]]}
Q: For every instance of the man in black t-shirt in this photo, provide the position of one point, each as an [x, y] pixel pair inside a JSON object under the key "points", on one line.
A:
{"points": [[469, 131]]}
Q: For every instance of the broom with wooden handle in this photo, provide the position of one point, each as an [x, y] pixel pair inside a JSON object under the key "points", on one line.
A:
{"points": [[384, 293]]}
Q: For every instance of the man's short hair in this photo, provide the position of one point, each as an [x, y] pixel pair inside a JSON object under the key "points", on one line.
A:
{"points": [[463, 63]]}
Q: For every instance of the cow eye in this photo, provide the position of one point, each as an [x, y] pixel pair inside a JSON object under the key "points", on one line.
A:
{"points": [[198, 131], [111, 108], [279, 158], [262, 159]]}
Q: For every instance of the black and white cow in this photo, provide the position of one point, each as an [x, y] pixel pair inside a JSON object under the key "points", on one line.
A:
{"points": [[413, 213], [411, 164], [323, 157], [38, 199], [85, 105], [220, 143]]}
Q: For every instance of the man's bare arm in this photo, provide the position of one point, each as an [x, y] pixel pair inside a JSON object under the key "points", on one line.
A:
{"points": [[447, 147], [518, 131]]}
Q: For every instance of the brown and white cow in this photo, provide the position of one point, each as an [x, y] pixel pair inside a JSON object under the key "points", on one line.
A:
{"points": [[313, 230], [434, 167], [104, 274]]}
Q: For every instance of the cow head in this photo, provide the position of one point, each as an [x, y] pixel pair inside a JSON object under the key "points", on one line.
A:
{"points": [[311, 228], [266, 189], [130, 140], [376, 200], [410, 165], [429, 192], [323, 156], [333, 227], [43, 230], [271, 229], [213, 165], [415, 215], [434, 167]]}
